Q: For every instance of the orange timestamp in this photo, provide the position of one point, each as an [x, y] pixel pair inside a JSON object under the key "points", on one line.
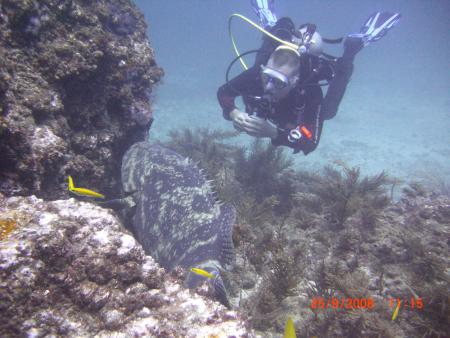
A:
{"points": [[409, 303], [342, 303]]}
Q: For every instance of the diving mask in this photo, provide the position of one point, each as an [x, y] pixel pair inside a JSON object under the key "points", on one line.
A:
{"points": [[273, 78]]}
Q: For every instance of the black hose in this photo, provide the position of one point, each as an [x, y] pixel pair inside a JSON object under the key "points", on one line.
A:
{"points": [[233, 62]]}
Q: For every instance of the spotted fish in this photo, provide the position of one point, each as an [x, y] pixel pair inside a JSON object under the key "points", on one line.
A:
{"points": [[176, 218]]}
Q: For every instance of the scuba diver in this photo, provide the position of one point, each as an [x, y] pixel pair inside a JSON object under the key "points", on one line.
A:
{"points": [[282, 90]]}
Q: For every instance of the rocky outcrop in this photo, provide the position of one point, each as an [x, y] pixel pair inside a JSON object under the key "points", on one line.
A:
{"points": [[67, 268], [75, 80]]}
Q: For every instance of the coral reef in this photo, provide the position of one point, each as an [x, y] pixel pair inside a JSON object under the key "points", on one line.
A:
{"points": [[69, 269], [406, 256], [308, 239], [307, 244], [75, 79], [261, 172]]}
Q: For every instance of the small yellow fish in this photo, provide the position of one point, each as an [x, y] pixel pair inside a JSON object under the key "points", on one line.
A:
{"points": [[202, 272], [289, 330], [395, 314], [82, 191]]}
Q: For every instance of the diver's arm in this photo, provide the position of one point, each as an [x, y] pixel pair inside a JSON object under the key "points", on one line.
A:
{"points": [[238, 86]]}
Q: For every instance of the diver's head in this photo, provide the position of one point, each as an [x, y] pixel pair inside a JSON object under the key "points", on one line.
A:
{"points": [[281, 73]]}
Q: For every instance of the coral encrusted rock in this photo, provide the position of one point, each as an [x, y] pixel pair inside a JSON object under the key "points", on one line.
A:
{"points": [[75, 82], [67, 268]]}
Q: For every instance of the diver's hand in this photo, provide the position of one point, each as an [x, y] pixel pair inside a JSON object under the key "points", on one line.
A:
{"points": [[253, 125], [239, 118], [258, 127]]}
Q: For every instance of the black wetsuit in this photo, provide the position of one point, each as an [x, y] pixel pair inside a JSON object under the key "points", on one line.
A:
{"points": [[304, 106]]}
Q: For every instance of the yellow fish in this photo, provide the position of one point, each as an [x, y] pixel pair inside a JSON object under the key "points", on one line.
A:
{"points": [[82, 191], [202, 272], [395, 314], [289, 330]]}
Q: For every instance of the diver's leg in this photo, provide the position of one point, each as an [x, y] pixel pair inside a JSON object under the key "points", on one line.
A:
{"points": [[375, 27], [336, 90]]}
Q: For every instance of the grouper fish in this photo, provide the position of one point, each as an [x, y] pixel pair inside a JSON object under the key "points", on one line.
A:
{"points": [[176, 217]]}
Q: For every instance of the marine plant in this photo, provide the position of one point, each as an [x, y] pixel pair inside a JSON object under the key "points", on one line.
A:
{"points": [[343, 193], [307, 209], [281, 268], [321, 286], [285, 266], [254, 213], [261, 171], [394, 182], [348, 240], [413, 246], [360, 323], [207, 147], [432, 320], [427, 264], [332, 280], [414, 189], [353, 285], [430, 267]]}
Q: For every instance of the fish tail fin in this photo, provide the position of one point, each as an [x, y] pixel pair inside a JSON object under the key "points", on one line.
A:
{"points": [[220, 291], [71, 186]]}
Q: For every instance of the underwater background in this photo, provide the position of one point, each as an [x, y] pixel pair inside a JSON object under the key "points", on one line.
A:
{"points": [[346, 242], [395, 115]]}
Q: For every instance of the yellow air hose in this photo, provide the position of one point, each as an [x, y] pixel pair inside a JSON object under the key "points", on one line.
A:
{"points": [[233, 42]]}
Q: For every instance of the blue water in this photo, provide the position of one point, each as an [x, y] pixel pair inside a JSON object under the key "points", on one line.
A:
{"points": [[395, 115]]}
